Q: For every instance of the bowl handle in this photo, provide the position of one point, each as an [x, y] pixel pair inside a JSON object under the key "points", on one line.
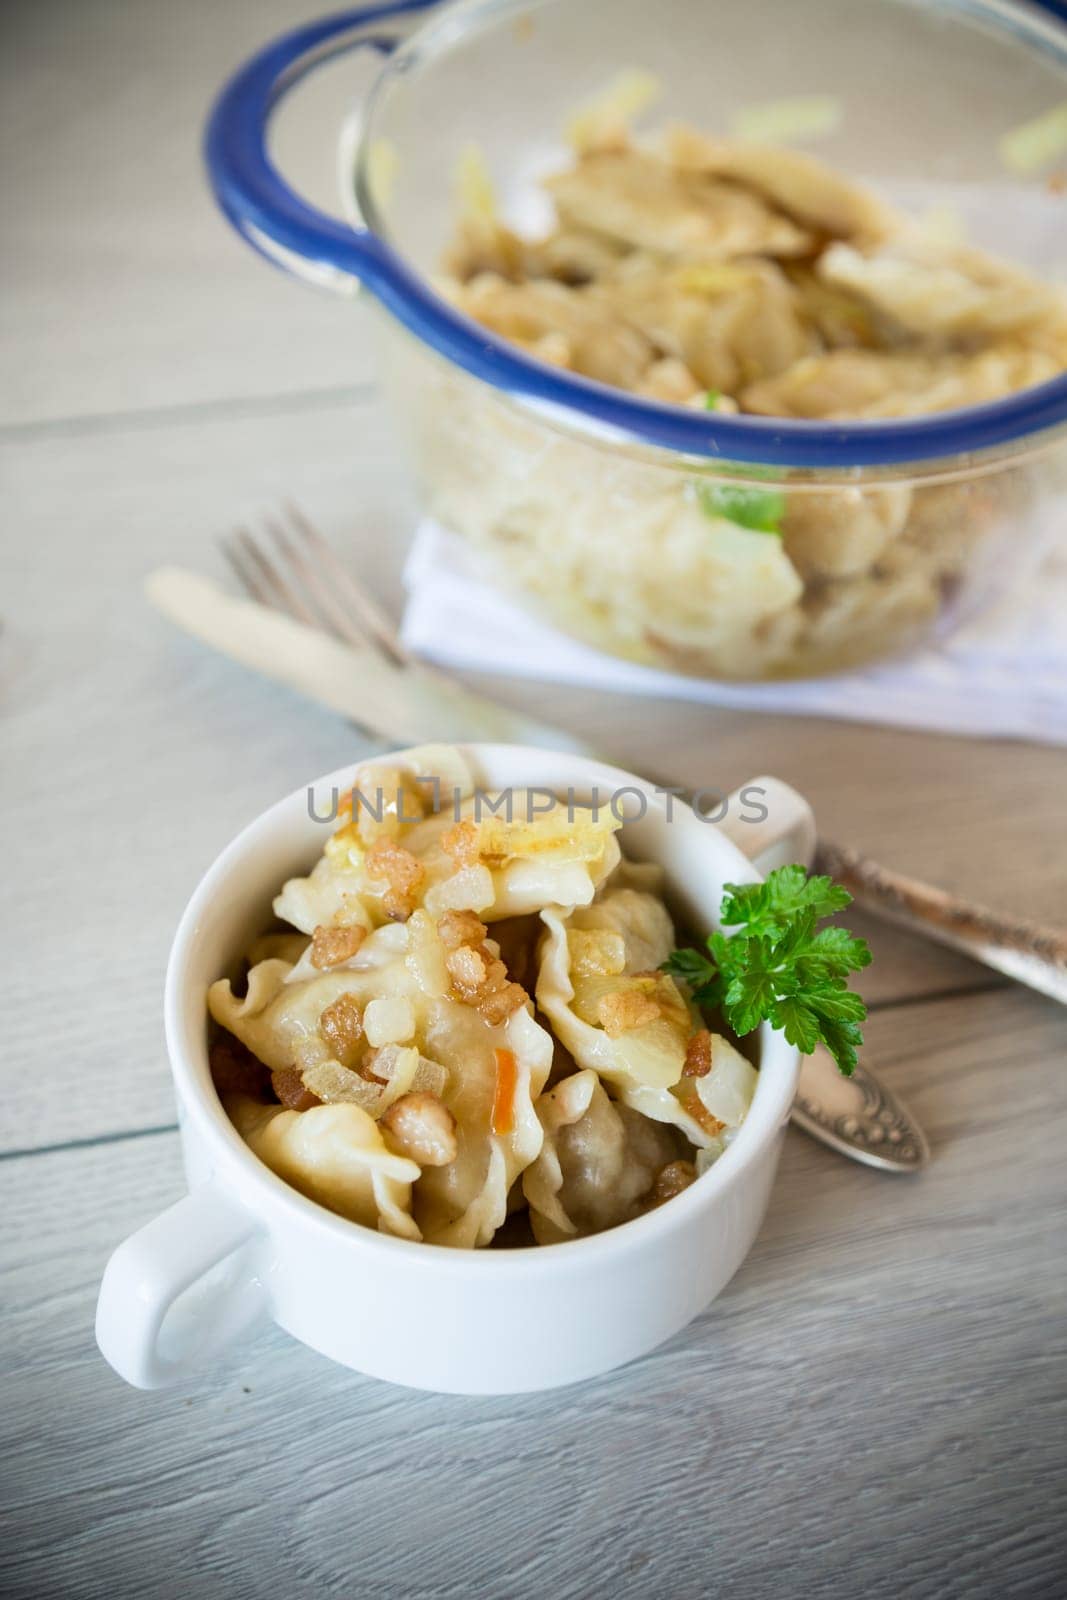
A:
{"points": [[770, 823], [263, 208], [151, 1269]]}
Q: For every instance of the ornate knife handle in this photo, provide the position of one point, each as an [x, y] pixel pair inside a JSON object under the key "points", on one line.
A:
{"points": [[1022, 950]]}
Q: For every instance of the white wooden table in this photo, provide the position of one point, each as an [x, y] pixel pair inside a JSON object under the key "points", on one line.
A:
{"points": [[875, 1405]]}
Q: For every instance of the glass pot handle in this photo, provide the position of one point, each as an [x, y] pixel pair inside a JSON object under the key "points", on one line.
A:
{"points": [[250, 190]]}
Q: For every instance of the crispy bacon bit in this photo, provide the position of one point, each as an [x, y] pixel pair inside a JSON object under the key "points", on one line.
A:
{"points": [[461, 843], [288, 1085], [671, 1180], [698, 1055], [421, 1126], [480, 979], [625, 1010], [458, 928], [341, 1026], [234, 1069], [503, 1120], [498, 1004], [468, 970], [403, 876], [331, 946], [690, 1098]]}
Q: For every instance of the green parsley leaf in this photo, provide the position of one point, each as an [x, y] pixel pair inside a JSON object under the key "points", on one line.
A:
{"points": [[778, 967], [760, 510], [711, 399]]}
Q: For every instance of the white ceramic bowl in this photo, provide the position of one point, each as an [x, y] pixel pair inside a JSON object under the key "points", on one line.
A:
{"points": [[243, 1244]]}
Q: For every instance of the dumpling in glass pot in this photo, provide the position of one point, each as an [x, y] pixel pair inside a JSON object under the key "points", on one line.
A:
{"points": [[635, 197], [728, 322], [868, 384], [927, 289], [814, 194]]}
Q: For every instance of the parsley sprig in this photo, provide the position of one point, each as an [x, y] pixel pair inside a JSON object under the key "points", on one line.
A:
{"points": [[780, 967]]}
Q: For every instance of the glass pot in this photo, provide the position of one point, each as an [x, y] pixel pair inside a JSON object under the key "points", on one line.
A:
{"points": [[597, 507]]}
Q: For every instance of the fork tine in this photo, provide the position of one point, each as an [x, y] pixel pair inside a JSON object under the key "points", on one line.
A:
{"points": [[263, 579], [245, 574], [331, 613], [374, 619]]}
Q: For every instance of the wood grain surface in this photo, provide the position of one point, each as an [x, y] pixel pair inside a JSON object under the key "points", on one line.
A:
{"points": [[875, 1406]]}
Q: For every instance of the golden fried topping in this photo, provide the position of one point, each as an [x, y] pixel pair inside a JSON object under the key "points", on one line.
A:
{"points": [[698, 1055], [468, 970], [420, 1126], [331, 946], [625, 1010], [458, 928], [401, 872], [461, 843], [288, 1085], [497, 1004], [480, 979], [341, 1026]]}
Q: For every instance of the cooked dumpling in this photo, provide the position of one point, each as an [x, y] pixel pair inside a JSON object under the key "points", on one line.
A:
{"points": [[631, 909], [898, 383], [728, 322], [363, 877], [575, 329], [573, 255], [444, 1023], [453, 848], [612, 1009], [276, 1020], [279, 1018], [816, 195], [641, 200], [598, 1163], [927, 289], [629, 1023], [616, 1013], [842, 534], [335, 1155], [496, 1074], [895, 601], [540, 852]]}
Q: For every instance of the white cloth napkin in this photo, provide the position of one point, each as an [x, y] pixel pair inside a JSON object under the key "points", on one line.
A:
{"points": [[1002, 674]]}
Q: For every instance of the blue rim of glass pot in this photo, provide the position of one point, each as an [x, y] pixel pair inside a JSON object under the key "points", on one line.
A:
{"points": [[294, 234]]}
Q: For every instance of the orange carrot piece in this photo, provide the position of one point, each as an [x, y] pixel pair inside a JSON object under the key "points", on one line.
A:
{"points": [[504, 1098]]}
